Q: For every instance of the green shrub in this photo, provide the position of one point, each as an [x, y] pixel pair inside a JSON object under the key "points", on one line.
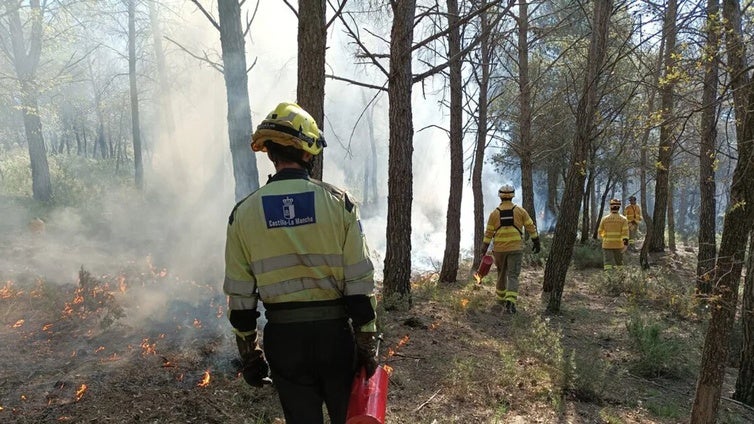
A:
{"points": [[658, 356], [587, 256]]}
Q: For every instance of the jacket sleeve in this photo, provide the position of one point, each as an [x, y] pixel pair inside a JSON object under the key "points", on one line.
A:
{"points": [[601, 229], [529, 224], [493, 222], [358, 273], [239, 285]]}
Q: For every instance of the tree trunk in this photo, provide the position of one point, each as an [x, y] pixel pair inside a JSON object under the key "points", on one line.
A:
{"points": [[586, 195], [135, 126], [565, 233], [26, 55], [745, 382], [449, 270], [736, 228], [524, 87], [667, 130], [312, 45], [708, 154], [671, 211], [397, 273], [245, 170], [551, 209], [481, 138]]}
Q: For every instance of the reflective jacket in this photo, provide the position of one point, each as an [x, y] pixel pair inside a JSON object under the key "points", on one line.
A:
{"points": [[509, 238], [633, 213], [296, 244], [613, 230]]}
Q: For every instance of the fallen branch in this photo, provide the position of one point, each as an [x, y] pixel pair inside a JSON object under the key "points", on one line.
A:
{"points": [[741, 404], [428, 400]]}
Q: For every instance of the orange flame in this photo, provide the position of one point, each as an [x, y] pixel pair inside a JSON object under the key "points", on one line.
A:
{"points": [[99, 349], [146, 348], [403, 341], [46, 327], [477, 278], [205, 380], [6, 292], [122, 283], [18, 323], [80, 392], [23, 397], [388, 369], [197, 323]]}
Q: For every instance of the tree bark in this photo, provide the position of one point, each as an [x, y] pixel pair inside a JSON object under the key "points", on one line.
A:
{"points": [[312, 45], [483, 80], [397, 273], [135, 126], [245, 170], [449, 270], [745, 382], [524, 86], [25, 59], [736, 228], [565, 233], [667, 130]]}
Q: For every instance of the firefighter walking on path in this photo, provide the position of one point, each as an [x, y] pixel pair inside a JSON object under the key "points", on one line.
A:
{"points": [[296, 244], [505, 231], [613, 231], [633, 215]]}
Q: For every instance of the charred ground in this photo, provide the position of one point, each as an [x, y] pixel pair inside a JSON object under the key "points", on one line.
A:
{"points": [[141, 343]]}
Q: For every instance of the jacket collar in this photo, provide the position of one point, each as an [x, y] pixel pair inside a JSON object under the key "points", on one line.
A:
{"points": [[289, 174]]}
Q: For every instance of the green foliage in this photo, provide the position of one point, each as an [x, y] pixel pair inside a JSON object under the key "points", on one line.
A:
{"points": [[658, 356], [585, 376], [587, 256]]}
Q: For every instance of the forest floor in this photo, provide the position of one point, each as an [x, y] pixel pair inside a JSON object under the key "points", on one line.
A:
{"points": [[142, 344]]}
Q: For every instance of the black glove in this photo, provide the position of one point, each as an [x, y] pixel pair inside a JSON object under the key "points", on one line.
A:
{"points": [[537, 245], [366, 352], [625, 242], [255, 369]]}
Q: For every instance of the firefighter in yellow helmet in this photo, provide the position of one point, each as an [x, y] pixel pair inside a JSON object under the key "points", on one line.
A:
{"points": [[296, 244], [632, 212], [505, 230], [613, 231]]}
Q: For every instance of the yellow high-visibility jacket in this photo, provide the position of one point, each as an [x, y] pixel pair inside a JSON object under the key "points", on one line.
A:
{"points": [[296, 240], [633, 213], [509, 238], [613, 230]]}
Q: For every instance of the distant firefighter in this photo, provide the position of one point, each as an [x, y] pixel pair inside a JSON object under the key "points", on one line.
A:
{"points": [[505, 231], [37, 226], [633, 215], [613, 231]]}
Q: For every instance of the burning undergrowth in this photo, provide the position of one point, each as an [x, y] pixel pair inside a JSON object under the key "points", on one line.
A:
{"points": [[135, 345]]}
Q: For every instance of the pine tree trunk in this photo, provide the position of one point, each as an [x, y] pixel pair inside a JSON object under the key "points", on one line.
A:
{"points": [[397, 272], [312, 45], [745, 382], [667, 131], [524, 87], [483, 79], [245, 170], [565, 233], [135, 126], [736, 228], [449, 270]]}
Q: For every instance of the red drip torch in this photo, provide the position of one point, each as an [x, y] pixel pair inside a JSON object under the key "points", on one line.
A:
{"points": [[368, 400], [484, 266]]}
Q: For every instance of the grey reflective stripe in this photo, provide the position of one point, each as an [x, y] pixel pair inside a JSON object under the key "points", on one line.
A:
{"points": [[297, 285], [235, 287], [359, 287], [240, 303], [286, 261], [358, 269]]}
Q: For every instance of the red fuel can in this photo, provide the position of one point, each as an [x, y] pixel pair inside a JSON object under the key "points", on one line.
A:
{"points": [[484, 267], [368, 399]]}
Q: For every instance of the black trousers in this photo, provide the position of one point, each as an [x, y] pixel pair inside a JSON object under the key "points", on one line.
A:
{"points": [[311, 363]]}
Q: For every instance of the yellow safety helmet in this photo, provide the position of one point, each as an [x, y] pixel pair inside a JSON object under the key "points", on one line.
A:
{"points": [[614, 203], [289, 125], [506, 191]]}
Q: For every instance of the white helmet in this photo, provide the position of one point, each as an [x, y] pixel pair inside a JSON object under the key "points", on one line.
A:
{"points": [[506, 191]]}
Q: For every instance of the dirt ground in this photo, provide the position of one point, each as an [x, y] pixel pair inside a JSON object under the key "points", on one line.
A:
{"points": [[139, 344]]}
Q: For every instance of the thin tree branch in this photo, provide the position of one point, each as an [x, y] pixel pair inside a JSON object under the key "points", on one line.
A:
{"points": [[206, 14], [338, 12], [359, 83], [205, 59]]}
